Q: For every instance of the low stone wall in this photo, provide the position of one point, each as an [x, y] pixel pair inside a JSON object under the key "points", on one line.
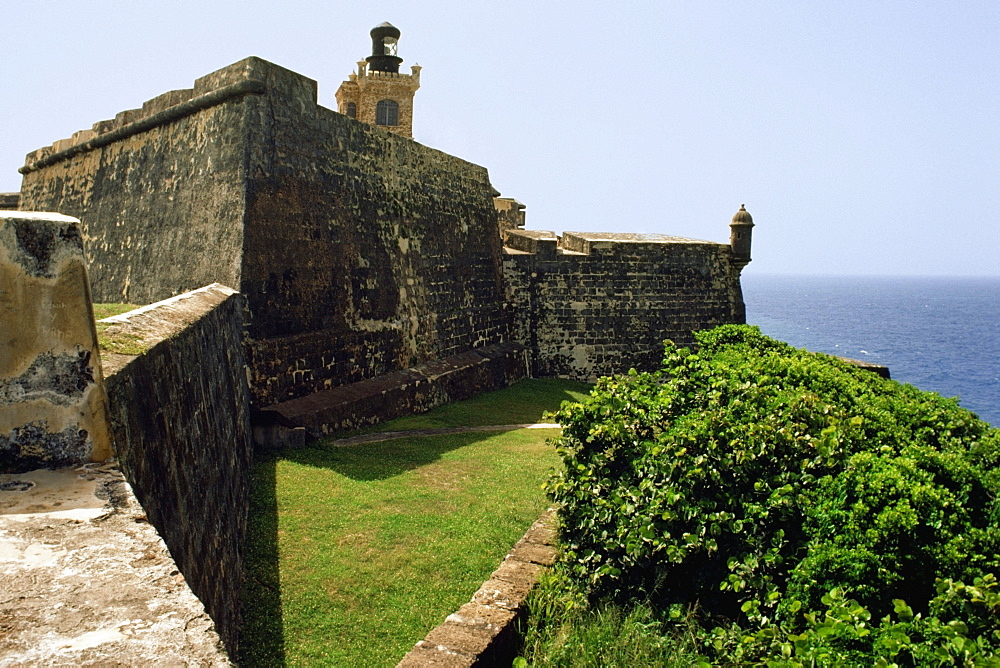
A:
{"points": [[414, 390], [180, 421], [9, 201], [878, 369], [483, 631]]}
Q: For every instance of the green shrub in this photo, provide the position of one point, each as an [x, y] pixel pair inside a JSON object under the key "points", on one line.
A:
{"points": [[755, 480]]}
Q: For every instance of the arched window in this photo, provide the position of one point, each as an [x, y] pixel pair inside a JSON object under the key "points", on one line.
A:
{"points": [[387, 113], [352, 110]]}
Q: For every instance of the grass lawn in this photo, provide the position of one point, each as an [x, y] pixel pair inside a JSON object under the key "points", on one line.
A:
{"points": [[355, 553], [102, 311], [524, 402], [126, 344]]}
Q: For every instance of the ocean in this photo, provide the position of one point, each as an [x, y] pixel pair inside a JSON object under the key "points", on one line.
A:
{"points": [[939, 334]]}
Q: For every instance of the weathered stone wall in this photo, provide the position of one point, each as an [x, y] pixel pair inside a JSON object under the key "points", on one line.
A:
{"points": [[52, 404], [359, 252], [484, 631], [9, 201], [180, 420], [365, 252], [159, 190], [86, 581], [599, 304], [510, 214]]}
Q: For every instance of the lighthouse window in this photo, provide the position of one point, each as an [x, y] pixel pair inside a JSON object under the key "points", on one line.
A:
{"points": [[387, 113], [352, 110], [389, 46]]}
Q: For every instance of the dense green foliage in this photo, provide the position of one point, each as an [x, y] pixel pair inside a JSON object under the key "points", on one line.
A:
{"points": [[563, 630], [802, 504]]}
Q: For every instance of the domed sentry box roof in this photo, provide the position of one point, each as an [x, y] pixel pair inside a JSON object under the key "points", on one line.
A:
{"points": [[742, 217]]}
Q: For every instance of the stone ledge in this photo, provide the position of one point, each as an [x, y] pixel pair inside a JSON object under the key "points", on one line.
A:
{"points": [[10, 201], [878, 369], [85, 579], [88, 140], [483, 631]]}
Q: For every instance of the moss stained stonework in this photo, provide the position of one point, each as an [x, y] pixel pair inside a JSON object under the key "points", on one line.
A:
{"points": [[180, 418], [377, 276], [594, 304], [359, 252]]}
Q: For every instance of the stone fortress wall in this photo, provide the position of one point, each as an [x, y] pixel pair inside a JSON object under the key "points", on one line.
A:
{"points": [[89, 579], [596, 304], [52, 405], [359, 252], [180, 416]]}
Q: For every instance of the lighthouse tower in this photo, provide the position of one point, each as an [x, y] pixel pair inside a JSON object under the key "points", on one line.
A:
{"points": [[377, 93]]}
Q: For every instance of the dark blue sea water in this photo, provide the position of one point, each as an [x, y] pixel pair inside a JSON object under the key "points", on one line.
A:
{"points": [[939, 334]]}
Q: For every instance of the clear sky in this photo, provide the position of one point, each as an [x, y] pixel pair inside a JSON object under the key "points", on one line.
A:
{"points": [[864, 137]]}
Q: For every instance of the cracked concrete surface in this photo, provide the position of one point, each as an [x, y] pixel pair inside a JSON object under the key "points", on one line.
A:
{"points": [[85, 579]]}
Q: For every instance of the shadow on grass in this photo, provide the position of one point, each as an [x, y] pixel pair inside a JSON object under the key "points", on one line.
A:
{"points": [[385, 459], [262, 641], [529, 400]]}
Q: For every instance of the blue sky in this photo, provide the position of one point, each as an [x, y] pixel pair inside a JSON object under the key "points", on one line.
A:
{"points": [[864, 137]]}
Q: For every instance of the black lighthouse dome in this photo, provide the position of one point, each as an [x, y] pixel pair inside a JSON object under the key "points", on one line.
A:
{"points": [[385, 39]]}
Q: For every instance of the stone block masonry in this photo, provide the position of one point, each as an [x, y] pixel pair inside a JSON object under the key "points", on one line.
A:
{"points": [[594, 304], [52, 405], [484, 632], [407, 392], [180, 419], [84, 576], [159, 191], [9, 201], [359, 252]]}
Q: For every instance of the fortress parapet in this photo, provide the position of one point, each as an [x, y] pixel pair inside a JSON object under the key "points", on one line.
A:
{"points": [[208, 91], [588, 304], [9, 201]]}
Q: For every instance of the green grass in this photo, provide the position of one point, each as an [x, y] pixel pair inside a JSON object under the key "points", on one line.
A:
{"points": [[355, 553], [126, 344], [102, 311], [562, 630]]}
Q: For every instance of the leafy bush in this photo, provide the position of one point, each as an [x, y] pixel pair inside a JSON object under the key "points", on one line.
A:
{"points": [[763, 483]]}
